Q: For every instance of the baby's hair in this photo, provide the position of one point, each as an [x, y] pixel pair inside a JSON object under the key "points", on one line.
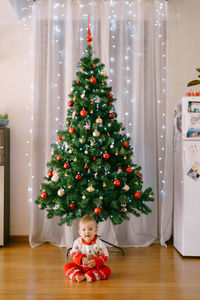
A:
{"points": [[86, 219]]}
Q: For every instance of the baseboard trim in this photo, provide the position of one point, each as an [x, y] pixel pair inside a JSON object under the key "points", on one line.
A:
{"points": [[19, 238]]}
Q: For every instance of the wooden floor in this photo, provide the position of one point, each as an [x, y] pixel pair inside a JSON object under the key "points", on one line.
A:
{"points": [[151, 273]]}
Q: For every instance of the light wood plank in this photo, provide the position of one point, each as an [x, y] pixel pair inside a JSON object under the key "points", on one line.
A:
{"points": [[153, 272]]}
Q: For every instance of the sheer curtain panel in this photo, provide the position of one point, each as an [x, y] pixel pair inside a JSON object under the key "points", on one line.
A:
{"points": [[131, 40]]}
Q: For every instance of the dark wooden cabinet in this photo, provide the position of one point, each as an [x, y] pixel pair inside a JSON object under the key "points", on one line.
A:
{"points": [[4, 185]]}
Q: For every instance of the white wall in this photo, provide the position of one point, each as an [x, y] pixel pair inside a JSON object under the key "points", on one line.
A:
{"points": [[184, 57], [184, 46], [14, 49]]}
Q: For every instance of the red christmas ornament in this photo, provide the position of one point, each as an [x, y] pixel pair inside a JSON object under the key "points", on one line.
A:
{"points": [[83, 113], [108, 134], [97, 210], [78, 177], [116, 182], [58, 157], [94, 67], [86, 166], [92, 102], [60, 138], [139, 175], [78, 81], [110, 103], [72, 206], [119, 168], [71, 103], [110, 96], [66, 165], [128, 169], [111, 116], [126, 144], [71, 129], [89, 39], [43, 195], [93, 79], [50, 174], [94, 158], [106, 155], [137, 195]]}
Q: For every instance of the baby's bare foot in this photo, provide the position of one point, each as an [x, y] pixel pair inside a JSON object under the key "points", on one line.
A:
{"points": [[80, 277], [88, 278]]}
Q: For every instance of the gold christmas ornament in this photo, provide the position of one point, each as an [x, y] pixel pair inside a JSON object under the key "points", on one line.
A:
{"points": [[136, 183], [125, 157], [99, 120], [150, 196], [126, 188], [82, 140], [69, 186], [104, 184], [96, 133], [74, 98], [66, 173], [91, 111], [61, 192], [103, 73], [75, 159], [116, 153], [87, 86], [90, 189], [82, 68]]}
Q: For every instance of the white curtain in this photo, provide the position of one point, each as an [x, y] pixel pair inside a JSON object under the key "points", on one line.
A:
{"points": [[130, 37]]}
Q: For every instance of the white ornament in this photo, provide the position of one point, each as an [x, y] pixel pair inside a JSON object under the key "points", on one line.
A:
{"points": [[56, 207], [66, 145], [55, 176], [74, 114], [92, 143], [87, 126], [121, 131], [126, 188], [98, 100], [86, 152], [83, 197]]}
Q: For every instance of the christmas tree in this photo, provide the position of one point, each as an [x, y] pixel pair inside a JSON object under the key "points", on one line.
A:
{"points": [[91, 171]]}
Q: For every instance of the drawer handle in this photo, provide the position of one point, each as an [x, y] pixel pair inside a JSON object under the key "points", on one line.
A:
{"points": [[1, 147]]}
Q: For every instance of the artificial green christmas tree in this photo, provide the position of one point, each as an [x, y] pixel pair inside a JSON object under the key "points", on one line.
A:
{"points": [[91, 171]]}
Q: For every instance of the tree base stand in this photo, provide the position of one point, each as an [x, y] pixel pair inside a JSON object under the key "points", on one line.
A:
{"points": [[122, 251]]}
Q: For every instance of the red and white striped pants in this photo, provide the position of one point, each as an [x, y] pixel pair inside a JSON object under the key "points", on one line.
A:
{"points": [[71, 270]]}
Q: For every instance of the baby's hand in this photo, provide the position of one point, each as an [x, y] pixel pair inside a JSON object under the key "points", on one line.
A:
{"points": [[101, 252], [85, 261], [90, 256], [91, 263]]}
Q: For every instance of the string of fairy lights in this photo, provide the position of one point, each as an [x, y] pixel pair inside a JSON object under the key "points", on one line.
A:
{"points": [[58, 11]]}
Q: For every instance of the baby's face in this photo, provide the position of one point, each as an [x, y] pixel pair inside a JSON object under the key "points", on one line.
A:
{"points": [[88, 231]]}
